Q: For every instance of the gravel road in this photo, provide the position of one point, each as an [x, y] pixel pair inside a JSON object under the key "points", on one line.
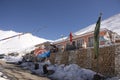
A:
{"points": [[15, 72]]}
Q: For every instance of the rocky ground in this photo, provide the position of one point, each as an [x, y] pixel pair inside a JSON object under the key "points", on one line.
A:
{"points": [[15, 72]]}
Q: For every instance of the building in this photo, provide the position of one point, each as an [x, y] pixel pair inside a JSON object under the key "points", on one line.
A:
{"points": [[87, 40]]}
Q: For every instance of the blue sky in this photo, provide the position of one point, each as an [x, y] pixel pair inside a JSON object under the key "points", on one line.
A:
{"points": [[50, 19]]}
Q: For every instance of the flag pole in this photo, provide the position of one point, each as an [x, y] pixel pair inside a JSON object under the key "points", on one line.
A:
{"points": [[98, 52], [96, 42], [96, 47]]}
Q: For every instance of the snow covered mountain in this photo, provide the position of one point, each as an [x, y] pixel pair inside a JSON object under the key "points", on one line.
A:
{"points": [[18, 43], [112, 23]]}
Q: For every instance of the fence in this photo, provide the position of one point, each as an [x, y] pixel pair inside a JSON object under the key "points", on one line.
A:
{"points": [[109, 59]]}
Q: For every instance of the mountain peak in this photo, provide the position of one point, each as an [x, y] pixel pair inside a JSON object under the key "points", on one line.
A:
{"points": [[112, 23], [11, 41]]}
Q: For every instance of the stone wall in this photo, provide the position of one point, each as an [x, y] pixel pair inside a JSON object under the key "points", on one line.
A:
{"points": [[117, 60], [109, 59]]}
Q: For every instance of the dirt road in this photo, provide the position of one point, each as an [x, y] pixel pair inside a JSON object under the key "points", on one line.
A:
{"points": [[15, 72]]}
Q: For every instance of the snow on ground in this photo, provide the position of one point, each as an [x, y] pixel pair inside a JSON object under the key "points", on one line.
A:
{"points": [[72, 72], [65, 72], [62, 72], [2, 76]]}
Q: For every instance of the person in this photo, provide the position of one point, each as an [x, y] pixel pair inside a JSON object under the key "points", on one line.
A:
{"points": [[46, 63], [46, 71]]}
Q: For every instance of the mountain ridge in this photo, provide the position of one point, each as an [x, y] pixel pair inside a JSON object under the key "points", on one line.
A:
{"points": [[112, 23], [18, 43]]}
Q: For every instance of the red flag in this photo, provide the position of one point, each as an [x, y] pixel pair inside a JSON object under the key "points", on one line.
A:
{"points": [[71, 36]]}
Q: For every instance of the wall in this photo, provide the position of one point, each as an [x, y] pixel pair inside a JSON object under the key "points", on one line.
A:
{"points": [[109, 59], [117, 60]]}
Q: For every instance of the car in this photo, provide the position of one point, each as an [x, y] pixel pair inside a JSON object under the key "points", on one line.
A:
{"points": [[2, 56]]}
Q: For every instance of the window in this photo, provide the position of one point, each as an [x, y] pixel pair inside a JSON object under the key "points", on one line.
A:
{"points": [[67, 44], [71, 46], [73, 43], [90, 41], [102, 40], [80, 43]]}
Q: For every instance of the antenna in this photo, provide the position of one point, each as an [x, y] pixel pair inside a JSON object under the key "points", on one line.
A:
{"points": [[40, 28]]}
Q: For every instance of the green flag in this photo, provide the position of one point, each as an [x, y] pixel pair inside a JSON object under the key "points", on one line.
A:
{"points": [[96, 37]]}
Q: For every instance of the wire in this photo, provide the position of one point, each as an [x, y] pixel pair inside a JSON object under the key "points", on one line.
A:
{"points": [[22, 34]]}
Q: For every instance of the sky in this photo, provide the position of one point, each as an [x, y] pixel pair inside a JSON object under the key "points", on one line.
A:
{"points": [[52, 19]]}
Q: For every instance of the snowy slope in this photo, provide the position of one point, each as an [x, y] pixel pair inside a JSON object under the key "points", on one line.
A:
{"points": [[18, 43], [112, 23]]}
